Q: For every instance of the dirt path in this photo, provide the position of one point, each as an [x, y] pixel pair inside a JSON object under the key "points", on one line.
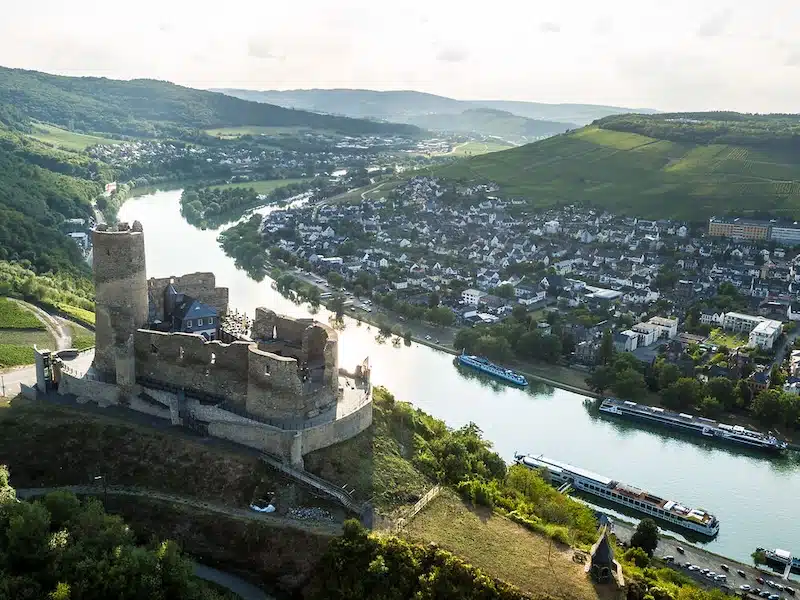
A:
{"points": [[321, 528], [56, 327]]}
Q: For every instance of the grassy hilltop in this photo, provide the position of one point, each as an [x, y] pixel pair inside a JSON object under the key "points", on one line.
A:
{"points": [[687, 166]]}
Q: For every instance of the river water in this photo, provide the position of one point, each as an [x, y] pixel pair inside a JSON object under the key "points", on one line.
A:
{"points": [[754, 497]]}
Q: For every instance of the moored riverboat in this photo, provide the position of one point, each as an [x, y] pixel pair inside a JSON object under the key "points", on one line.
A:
{"points": [[693, 519]]}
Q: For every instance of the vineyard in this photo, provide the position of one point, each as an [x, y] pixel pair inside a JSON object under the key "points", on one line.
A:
{"points": [[14, 316], [631, 173]]}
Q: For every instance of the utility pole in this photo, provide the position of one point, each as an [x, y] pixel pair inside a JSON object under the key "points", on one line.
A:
{"points": [[104, 479]]}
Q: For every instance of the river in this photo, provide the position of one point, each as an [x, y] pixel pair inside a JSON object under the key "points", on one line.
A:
{"points": [[754, 497]]}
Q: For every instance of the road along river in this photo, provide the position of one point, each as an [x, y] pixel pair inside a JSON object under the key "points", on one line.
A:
{"points": [[753, 496]]}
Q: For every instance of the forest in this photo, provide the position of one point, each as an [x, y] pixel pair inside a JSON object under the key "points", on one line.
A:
{"points": [[39, 189]]}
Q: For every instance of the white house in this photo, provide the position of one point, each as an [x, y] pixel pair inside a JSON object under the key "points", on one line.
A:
{"points": [[669, 327], [626, 341], [764, 334], [472, 297], [713, 318]]}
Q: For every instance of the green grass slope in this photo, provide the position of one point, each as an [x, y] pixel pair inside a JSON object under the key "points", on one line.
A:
{"points": [[680, 170], [490, 122], [145, 107]]}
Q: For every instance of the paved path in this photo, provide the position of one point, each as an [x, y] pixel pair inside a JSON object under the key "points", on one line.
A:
{"points": [[235, 584], [10, 380]]}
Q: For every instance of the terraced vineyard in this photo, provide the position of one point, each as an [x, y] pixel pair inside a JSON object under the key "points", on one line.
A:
{"points": [[636, 174]]}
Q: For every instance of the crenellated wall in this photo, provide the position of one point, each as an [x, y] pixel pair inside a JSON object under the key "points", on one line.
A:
{"points": [[200, 286]]}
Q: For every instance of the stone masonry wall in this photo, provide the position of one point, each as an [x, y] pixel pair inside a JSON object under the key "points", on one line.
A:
{"points": [[186, 360], [200, 286], [337, 431], [104, 394]]}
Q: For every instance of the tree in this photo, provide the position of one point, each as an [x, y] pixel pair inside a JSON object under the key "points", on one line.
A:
{"points": [[601, 379], [505, 291], [683, 394], [337, 306], [637, 556], [744, 393], [335, 280], [768, 406], [606, 353], [646, 536], [441, 315], [776, 376], [629, 384], [722, 389], [407, 337], [433, 300], [668, 375], [519, 312]]}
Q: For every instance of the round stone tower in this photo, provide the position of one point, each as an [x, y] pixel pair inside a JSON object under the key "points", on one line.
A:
{"points": [[121, 301]]}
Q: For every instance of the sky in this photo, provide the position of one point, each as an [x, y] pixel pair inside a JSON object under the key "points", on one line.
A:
{"points": [[677, 55]]}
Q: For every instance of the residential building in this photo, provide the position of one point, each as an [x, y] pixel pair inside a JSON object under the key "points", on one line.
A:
{"points": [[472, 297], [668, 327], [765, 334], [738, 228], [626, 341], [712, 318], [789, 235], [739, 322], [647, 333]]}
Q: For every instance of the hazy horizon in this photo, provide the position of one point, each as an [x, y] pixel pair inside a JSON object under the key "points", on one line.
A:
{"points": [[684, 56]]}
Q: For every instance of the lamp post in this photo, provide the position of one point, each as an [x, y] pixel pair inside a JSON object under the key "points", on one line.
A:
{"points": [[105, 489]]}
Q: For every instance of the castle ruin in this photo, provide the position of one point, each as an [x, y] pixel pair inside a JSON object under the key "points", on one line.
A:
{"points": [[169, 347]]}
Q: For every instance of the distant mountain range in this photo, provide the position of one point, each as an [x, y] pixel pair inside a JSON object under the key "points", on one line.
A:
{"points": [[146, 107], [519, 121]]}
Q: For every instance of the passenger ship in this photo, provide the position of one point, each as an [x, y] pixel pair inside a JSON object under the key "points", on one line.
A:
{"points": [[670, 511], [485, 366], [708, 428]]}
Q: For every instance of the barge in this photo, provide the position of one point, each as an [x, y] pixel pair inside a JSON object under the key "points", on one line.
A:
{"points": [[708, 428], [486, 366], [693, 519]]}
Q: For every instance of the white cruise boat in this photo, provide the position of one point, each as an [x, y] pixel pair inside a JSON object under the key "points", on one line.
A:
{"points": [[670, 511], [708, 428]]}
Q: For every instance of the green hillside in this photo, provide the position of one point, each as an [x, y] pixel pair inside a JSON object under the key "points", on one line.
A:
{"points": [[490, 122], [40, 187], [145, 107], [688, 166]]}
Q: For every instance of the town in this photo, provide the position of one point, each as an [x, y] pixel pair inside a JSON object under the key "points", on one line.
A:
{"points": [[711, 303]]}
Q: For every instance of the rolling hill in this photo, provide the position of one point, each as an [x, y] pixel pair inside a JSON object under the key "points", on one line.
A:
{"points": [[687, 166], [145, 107], [422, 109]]}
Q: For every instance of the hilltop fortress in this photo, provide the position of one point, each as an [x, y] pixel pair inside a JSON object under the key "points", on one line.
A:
{"points": [[170, 347]]}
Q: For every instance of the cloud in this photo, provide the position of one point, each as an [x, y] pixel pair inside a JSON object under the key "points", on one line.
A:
{"points": [[261, 48], [715, 25], [452, 54], [549, 27], [603, 26], [793, 59]]}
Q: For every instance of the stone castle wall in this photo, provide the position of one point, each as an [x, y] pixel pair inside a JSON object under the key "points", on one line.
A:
{"points": [[200, 286], [121, 298], [186, 360]]}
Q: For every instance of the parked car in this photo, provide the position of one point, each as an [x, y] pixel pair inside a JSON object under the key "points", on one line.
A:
{"points": [[745, 588], [693, 567], [741, 573], [765, 594], [790, 591], [760, 580], [773, 597], [725, 567], [679, 549]]}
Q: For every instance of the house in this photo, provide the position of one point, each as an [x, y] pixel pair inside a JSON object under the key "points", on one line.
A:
{"points": [[740, 323], [708, 317], [586, 352], [625, 341], [669, 327], [793, 311], [647, 332], [765, 334], [192, 316], [472, 297]]}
